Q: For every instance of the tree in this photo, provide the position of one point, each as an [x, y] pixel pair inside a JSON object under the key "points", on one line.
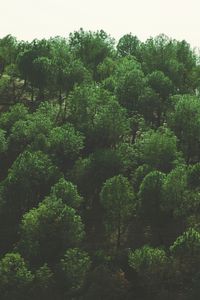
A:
{"points": [[139, 174], [175, 59], [64, 144], [150, 264], [128, 45], [193, 176], [15, 278], [147, 259], [89, 174], [41, 75], [84, 103], [68, 192], [91, 47], [150, 106], [43, 285], [98, 167], [158, 149], [186, 248], [127, 156], [185, 121], [28, 181], [129, 88], [60, 59], [161, 84], [7, 89], [33, 131], [34, 65], [106, 68], [8, 52], [156, 54], [175, 186], [187, 59], [117, 198], [68, 74], [163, 88], [185, 252], [3, 142], [48, 230], [150, 204], [111, 125], [72, 271], [17, 112]]}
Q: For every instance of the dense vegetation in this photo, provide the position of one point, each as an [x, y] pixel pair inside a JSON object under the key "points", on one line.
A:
{"points": [[100, 168]]}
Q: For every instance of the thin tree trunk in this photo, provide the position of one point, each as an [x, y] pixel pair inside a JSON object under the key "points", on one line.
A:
{"points": [[119, 233], [32, 94]]}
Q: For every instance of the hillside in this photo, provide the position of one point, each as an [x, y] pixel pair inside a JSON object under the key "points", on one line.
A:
{"points": [[100, 168]]}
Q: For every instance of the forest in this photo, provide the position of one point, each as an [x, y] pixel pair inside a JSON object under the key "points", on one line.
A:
{"points": [[100, 168]]}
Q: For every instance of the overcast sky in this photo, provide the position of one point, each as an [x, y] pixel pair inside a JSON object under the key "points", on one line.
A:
{"points": [[29, 19]]}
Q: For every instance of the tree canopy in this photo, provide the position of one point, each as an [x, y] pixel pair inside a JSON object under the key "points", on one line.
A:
{"points": [[100, 168]]}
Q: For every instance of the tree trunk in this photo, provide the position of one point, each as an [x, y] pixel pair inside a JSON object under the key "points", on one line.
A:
{"points": [[119, 233]]}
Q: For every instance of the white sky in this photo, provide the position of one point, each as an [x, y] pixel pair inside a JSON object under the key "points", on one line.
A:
{"points": [[29, 19]]}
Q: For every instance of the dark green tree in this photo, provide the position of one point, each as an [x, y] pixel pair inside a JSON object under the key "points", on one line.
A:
{"points": [[15, 278], [67, 192], [117, 198], [185, 121], [72, 271], [47, 231], [91, 47]]}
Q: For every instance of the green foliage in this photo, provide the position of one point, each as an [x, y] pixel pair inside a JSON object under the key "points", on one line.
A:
{"points": [[160, 83], [67, 192], [171, 57], [5, 88], [64, 144], [111, 125], [84, 104], [33, 131], [43, 283], [37, 50], [185, 253], [193, 176], [128, 45], [129, 88], [185, 121], [127, 156], [147, 260], [18, 112], [29, 180], [150, 106], [41, 74], [158, 149], [150, 265], [98, 167], [150, 204], [3, 142], [15, 278], [50, 229], [175, 186], [72, 270], [106, 68], [139, 175], [100, 154], [8, 51], [117, 198], [91, 47], [187, 246]]}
